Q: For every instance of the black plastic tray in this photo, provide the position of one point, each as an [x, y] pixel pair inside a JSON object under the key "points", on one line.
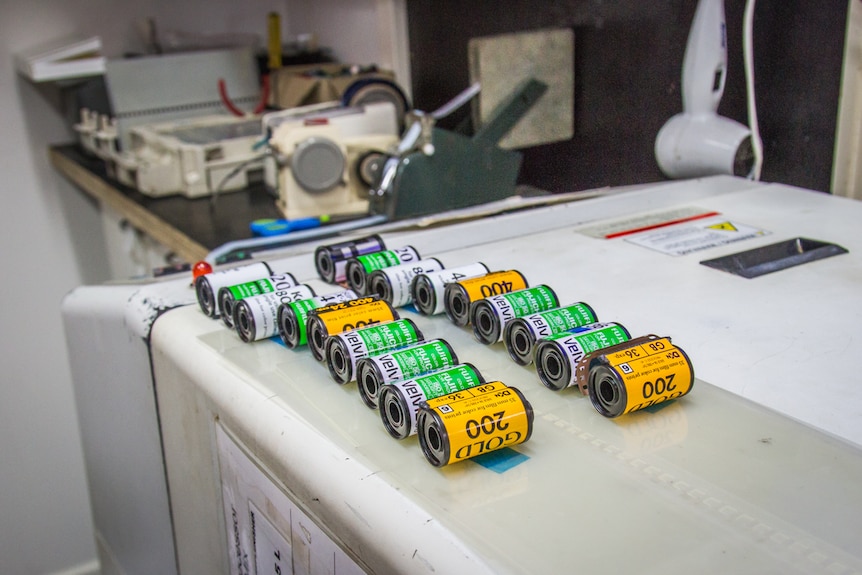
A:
{"points": [[774, 257]]}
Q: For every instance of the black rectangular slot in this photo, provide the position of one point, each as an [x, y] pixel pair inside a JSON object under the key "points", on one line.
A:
{"points": [[774, 257]]}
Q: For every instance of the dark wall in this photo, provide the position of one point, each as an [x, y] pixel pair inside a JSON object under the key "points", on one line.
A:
{"points": [[628, 61]]}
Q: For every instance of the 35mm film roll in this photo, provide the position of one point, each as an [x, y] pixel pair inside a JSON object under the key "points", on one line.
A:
{"points": [[474, 421], [331, 260], [333, 319], [639, 376]]}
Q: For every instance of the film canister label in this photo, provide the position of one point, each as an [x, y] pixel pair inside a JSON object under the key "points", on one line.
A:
{"points": [[458, 426], [331, 260], [459, 296], [208, 285], [256, 317], [521, 334], [427, 289], [557, 357], [582, 369], [425, 357], [393, 284], [228, 296], [332, 319], [360, 267], [639, 376], [345, 349], [293, 316], [490, 316], [400, 400], [353, 314]]}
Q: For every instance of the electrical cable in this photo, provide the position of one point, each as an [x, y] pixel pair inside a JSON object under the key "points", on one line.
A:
{"points": [[748, 49], [225, 99], [264, 95], [233, 109], [456, 102], [411, 136], [236, 170]]}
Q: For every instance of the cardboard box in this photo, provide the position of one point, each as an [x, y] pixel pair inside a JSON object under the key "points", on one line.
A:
{"points": [[293, 86]]}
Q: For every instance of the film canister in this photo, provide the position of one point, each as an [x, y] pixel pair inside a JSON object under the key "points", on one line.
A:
{"points": [[471, 422], [359, 267], [332, 319], [331, 260], [490, 316], [638, 376], [228, 296], [424, 357], [208, 285], [460, 295], [557, 357], [427, 289], [292, 316], [393, 284], [582, 367], [256, 317], [522, 333], [400, 400], [343, 350]]}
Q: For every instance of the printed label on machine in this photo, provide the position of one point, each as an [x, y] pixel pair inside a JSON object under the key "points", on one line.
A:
{"points": [[268, 533], [272, 552], [694, 236], [610, 229]]}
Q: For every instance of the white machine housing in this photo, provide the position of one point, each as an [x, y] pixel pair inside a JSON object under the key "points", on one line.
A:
{"points": [[321, 153], [195, 157], [170, 134], [720, 481]]}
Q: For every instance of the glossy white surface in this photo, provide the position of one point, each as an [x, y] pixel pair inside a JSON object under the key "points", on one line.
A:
{"points": [[710, 483]]}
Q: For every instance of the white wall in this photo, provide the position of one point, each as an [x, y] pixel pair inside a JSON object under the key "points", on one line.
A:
{"points": [[51, 241]]}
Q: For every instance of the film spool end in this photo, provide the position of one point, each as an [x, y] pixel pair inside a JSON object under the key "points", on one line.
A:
{"points": [[519, 342], [369, 385], [430, 439], [551, 366], [356, 277], [424, 299], [392, 414], [286, 327], [607, 394], [226, 306], [486, 324], [204, 292], [339, 364], [316, 341], [323, 263], [378, 285], [244, 323], [457, 305]]}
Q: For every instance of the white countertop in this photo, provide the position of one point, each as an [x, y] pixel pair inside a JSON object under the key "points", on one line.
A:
{"points": [[725, 479]]}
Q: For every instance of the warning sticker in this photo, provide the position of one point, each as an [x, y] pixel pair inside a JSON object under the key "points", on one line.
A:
{"points": [[726, 226], [694, 236]]}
